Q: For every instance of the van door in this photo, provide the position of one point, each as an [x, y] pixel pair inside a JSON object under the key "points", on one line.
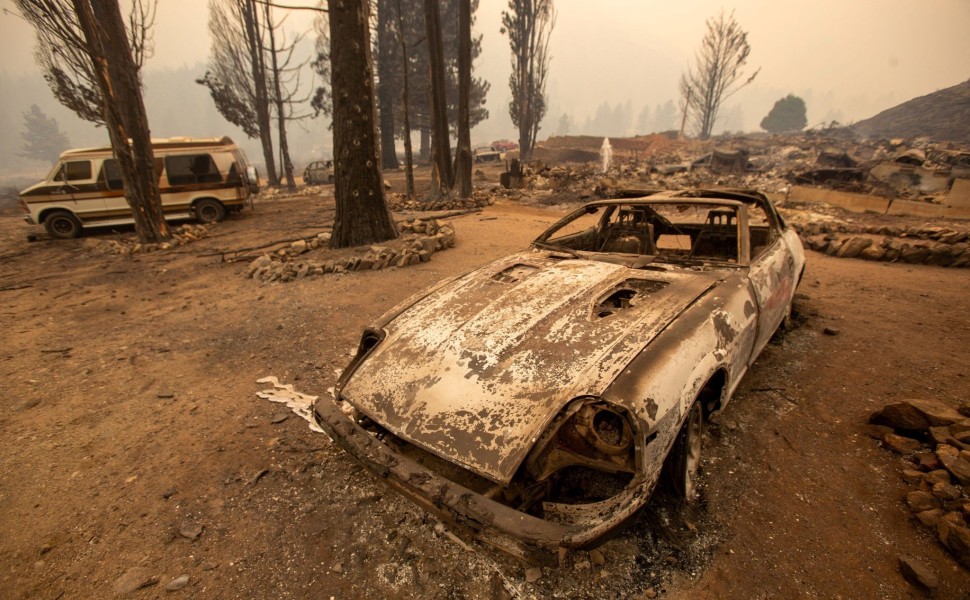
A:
{"points": [[109, 180], [75, 180]]}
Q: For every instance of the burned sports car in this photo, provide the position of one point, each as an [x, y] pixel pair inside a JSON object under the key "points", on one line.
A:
{"points": [[536, 401]]}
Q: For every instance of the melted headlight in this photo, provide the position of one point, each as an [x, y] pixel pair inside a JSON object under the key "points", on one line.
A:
{"points": [[590, 432]]}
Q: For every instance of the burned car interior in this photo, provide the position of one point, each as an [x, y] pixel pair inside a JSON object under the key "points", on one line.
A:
{"points": [[677, 232], [536, 402]]}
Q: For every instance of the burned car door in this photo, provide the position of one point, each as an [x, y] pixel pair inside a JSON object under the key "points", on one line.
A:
{"points": [[772, 273]]}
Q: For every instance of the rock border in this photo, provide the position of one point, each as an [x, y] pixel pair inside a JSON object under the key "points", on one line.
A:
{"points": [[421, 240], [938, 246], [181, 235]]}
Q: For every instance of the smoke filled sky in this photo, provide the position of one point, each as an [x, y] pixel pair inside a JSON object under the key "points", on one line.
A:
{"points": [[848, 59]]}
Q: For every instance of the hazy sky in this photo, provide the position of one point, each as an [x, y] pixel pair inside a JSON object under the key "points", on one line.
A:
{"points": [[847, 57]]}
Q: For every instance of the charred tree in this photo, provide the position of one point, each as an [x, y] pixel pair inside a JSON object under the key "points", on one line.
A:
{"points": [[529, 24], [254, 40], [405, 93], [463, 160], [361, 216], [62, 55], [124, 113], [321, 101], [279, 100], [442, 177], [717, 73], [386, 83]]}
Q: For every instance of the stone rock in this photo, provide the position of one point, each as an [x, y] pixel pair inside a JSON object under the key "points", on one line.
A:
{"points": [[596, 557], [936, 476], [912, 476], [900, 444], [872, 253], [914, 254], [830, 331], [337, 567], [877, 431], [190, 531], [178, 583], [134, 578], [958, 467], [298, 247], [915, 415], [921, 501], [940, 435], [929, 517], [853, 247], [964, 408], [928, 461], [946, 491], [917, 573], [533, 574], [958, 541]]}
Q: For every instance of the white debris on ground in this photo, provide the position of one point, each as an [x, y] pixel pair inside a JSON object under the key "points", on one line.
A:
{"points": [[301, 404]]}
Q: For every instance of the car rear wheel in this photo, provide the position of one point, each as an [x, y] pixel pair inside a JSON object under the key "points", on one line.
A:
{"points": [[684, 462], [208, 211], [62, 224]]}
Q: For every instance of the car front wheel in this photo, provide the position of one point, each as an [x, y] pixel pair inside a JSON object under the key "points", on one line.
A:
{"points": [[684, 463]]}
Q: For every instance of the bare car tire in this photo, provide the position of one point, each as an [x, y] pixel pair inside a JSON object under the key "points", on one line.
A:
{"points": [[209, 211], [683, 464], [62, 225]]}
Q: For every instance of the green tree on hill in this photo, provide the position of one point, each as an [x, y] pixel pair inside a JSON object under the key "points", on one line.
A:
{"points": [[788, 114]]}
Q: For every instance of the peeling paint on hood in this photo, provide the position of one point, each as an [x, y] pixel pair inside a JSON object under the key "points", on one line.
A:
{"points": [[475, 372]]}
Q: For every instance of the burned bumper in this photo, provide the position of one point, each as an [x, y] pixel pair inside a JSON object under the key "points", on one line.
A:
{"points": [[522, 535]]}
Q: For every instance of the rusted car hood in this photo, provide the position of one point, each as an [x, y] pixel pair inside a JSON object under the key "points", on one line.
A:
{"points": [[477, 370]]}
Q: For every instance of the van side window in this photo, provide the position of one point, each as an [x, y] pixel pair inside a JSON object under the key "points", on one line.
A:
{"points": [[110, 177], [75, 170], [191, 168]]}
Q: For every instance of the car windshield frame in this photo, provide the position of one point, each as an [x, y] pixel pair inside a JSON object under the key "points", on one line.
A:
{"points": [[725, 222]]}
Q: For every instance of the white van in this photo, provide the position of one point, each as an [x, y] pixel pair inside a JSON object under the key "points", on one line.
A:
{"points": [[201, 178]]}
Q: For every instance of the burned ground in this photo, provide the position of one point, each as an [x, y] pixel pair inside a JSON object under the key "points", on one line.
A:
{"points": [[133, 436]]}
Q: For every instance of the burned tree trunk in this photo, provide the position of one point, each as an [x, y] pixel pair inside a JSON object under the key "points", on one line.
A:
{"points": [[408, 154], [285, 162], [124, 112], [441, 147], [254, 39], [386, 84], [362, 215], [463, 160]]}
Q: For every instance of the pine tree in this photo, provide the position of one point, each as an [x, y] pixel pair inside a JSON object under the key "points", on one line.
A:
{"points": [[788, 114], [43, 139]]}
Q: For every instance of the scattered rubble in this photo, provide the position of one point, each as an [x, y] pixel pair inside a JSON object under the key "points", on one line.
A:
{"points": [[940, 501], [915, 169], [181, 235], [419, 240]]}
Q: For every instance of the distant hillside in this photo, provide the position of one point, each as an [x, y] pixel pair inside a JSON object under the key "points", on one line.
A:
{"points": [[942, 115]]}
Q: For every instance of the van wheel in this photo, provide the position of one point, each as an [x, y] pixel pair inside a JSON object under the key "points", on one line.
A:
{"points": [[62, 225], [208, 210]]}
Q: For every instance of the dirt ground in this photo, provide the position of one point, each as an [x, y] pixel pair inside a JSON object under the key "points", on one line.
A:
{"points": [[132, 435]]}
